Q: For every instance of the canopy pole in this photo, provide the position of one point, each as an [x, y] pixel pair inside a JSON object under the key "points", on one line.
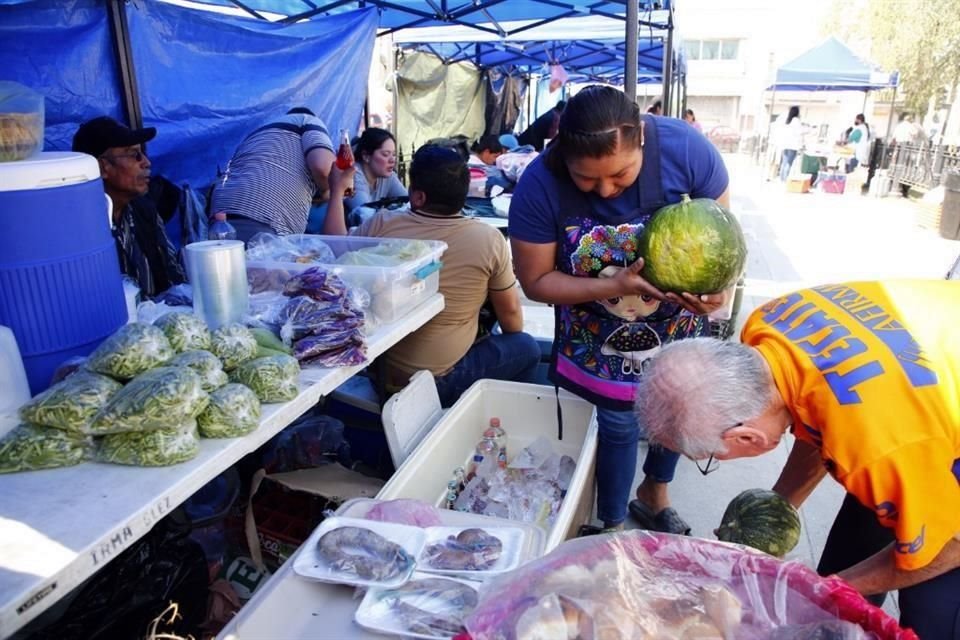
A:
{"points": [[770, 152], [668, 63], [120, 32], [893, 103], [864, 109], [630, 64]]}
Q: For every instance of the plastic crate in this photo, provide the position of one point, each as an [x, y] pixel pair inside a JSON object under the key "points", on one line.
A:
{"points": [[831, 182], [394, 290]]}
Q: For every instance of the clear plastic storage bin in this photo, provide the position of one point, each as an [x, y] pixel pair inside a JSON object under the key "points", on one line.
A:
{"points": [[394, 289]]}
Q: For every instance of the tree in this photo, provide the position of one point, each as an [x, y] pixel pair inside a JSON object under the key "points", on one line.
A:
{"points": [[918, 38]]}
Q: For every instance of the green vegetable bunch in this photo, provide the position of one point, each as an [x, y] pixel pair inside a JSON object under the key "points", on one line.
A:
{"points": [[158, 448], [234, 411], [273, 379], [185, 331], [71, 404], [234, 345], [162, 398], [204, 364], [30, 447], [133, 349]]}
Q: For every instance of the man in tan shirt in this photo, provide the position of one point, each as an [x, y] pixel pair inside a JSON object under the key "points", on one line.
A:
{"points": [[476, 265]]}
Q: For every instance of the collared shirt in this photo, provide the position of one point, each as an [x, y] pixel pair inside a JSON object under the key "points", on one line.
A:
{"points": [[871, 373], [146, 253]]}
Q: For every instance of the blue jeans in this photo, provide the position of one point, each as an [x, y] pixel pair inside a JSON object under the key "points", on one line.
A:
{"points": [[619, 434], [507, 356], [789, 155]]}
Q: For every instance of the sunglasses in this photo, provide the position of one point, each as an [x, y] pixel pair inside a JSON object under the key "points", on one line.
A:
{"points": [[136, 155]]}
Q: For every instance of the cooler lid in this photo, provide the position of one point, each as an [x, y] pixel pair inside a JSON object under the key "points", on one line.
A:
{"points": [[47, 170]]}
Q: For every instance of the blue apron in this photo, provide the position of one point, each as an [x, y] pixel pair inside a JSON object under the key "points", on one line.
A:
{"points": [[601, 347]]}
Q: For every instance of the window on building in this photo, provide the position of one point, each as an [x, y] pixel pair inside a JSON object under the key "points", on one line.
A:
{"points": [[712, 49], [729, 49]]}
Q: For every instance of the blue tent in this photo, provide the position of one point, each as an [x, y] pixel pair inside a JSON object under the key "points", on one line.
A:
{"points": [[831, 66], [589, 47], [483, 15]]}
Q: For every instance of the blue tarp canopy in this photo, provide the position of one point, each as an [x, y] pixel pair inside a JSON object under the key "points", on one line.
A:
{"points": [[590, 47], [204, 80], [831, 66], [482, 15]]}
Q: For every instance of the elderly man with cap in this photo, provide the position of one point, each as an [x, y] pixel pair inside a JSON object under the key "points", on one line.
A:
{"points": [[866, 375], [145, 251]]}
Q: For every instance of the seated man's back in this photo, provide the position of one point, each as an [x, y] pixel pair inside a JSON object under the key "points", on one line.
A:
{"points": [[476, 262], [476, 265]]}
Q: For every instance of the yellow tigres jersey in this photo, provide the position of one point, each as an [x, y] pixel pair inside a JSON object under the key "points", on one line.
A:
{"points": [[871, 373]]}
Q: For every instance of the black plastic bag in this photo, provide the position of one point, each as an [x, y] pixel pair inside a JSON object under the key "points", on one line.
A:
{"points": [[123, 598]]}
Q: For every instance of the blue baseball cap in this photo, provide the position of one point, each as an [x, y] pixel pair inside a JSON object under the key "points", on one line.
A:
{"points": [[509, 141]]}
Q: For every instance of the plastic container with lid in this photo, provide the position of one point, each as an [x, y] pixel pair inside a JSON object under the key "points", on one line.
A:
{"points": [[60, 286], [394, 289], [21, 122]]}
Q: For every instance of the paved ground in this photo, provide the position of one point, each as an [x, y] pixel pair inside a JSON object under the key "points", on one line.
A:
{"points": [[798, 240]]}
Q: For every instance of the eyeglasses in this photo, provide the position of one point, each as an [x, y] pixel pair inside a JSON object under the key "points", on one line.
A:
{"points": [[136, 155], [712, 465]]}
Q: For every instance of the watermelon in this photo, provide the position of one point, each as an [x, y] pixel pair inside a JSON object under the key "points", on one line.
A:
{"points": [[694, 246], [763, 520]]}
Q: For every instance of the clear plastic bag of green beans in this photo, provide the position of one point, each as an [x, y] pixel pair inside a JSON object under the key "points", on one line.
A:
{"points": [[30, 446], [185, 331], [273, 379], [71, 404], [234, 345], [234, 411], [158, 448], [133, 349], [161, 398], [205, 364]]}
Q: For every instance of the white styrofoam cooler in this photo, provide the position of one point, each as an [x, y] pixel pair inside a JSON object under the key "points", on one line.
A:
{"points": [[526, 411], [394, 290]]}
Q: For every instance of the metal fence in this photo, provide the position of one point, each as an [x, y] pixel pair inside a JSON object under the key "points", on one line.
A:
{"points": [[921, 166]]}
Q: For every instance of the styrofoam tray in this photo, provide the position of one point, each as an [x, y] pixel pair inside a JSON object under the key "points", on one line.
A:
{"points": [[311, 565], [376, 614], [512, 539]]}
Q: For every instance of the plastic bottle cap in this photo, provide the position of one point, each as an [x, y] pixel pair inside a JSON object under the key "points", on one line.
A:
{"points": [[489, 433], [220, 215], [494, 422]]}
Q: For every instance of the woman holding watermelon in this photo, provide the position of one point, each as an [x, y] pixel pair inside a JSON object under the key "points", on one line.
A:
{"points": [[575, 219]]}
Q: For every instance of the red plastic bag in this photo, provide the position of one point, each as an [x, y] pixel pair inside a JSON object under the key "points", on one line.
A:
{"points": [[642, 584]]}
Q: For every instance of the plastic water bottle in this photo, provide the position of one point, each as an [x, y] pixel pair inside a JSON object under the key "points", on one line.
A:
{"points": [[486, 449], [221, 229], [500, 437]]}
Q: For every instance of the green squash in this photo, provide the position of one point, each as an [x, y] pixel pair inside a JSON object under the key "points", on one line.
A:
{"points": [[763, 520], [693, 246]]}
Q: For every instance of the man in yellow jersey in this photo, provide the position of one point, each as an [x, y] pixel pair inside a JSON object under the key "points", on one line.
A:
{"points": [[867, 377]]}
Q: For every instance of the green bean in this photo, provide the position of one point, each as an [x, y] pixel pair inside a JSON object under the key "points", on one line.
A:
{"points": [[234, 411], [71, 404], [133, 349], [31, 446], [204, 364], [273, 379], [157, 448], [185, 331], [234, 345], [161, 398]]}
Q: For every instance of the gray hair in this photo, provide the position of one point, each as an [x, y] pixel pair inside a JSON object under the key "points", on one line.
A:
{"points": [[694, 390]]}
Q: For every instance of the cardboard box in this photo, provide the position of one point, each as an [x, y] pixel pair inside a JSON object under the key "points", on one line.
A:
{"points": [[831, 182], [285, 508], [798, 185]]}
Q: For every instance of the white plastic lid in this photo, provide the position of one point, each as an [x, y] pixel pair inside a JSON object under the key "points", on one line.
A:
{"points": [[48, 169]]}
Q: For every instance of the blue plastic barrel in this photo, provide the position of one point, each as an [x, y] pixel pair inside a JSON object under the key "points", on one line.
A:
{"points": [[60, 286]]}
